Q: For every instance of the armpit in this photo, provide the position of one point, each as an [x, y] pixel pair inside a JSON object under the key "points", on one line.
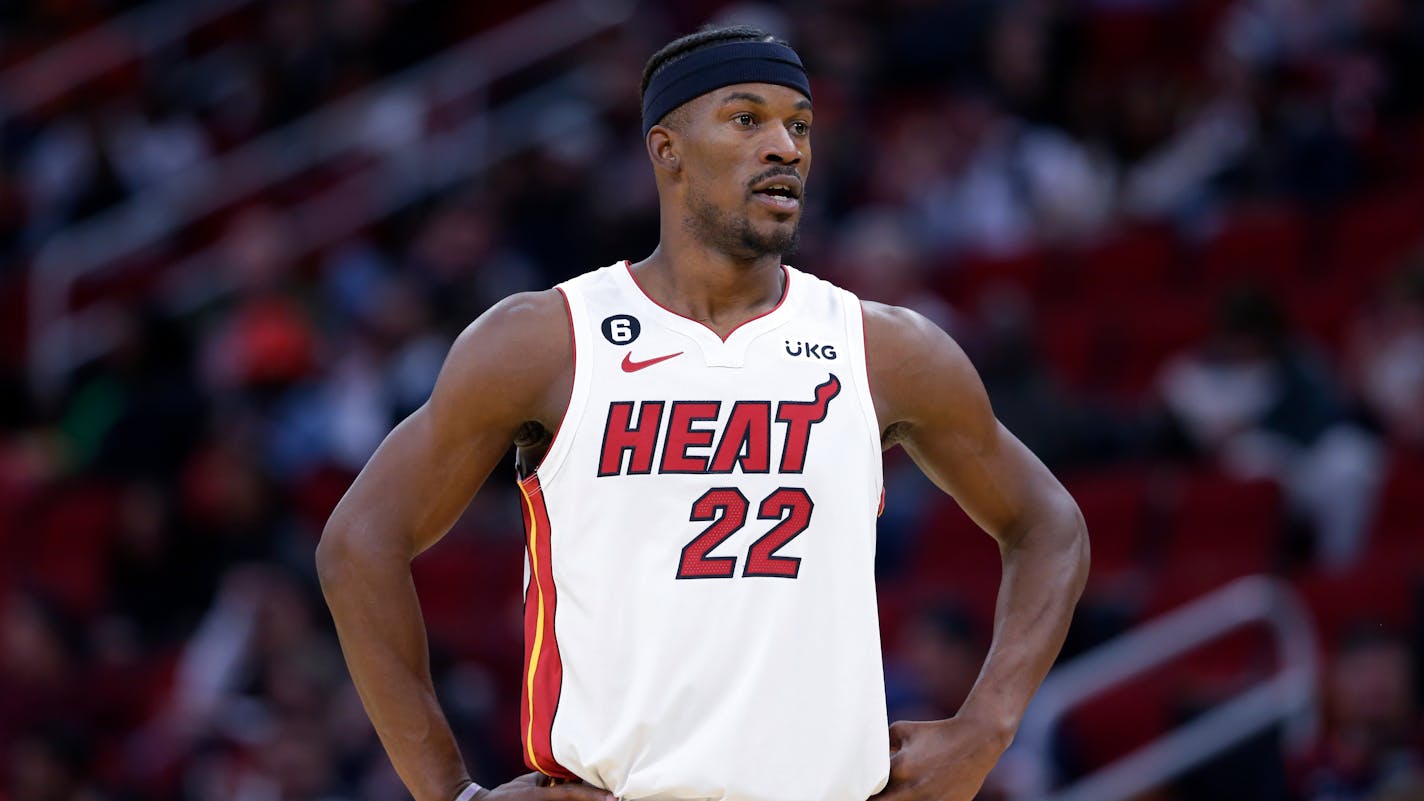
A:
{"points": [[531, 442], [531, 435], [892, 435]]}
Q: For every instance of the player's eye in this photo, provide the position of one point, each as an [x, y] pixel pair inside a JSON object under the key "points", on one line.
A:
{"points": [[744, 119], [800, 128]]}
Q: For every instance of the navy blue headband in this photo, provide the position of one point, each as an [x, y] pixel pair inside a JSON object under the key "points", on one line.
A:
{"points": [[721, 65]]}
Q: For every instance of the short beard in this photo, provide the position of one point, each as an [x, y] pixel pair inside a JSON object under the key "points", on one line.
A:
{"points": [[735, 236]]}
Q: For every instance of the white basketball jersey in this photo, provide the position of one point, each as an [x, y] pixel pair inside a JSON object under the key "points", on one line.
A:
{"points": [[700, 611]]}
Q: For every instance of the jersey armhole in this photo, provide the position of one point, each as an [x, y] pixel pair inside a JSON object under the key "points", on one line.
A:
{"points": [[578, 395]]}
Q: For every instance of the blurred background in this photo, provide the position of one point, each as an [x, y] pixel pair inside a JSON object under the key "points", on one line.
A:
{"points": [[1182, 240]]}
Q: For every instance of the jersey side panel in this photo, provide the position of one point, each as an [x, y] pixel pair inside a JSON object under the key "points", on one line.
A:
{"points": [[543, 664], [542, 686]]}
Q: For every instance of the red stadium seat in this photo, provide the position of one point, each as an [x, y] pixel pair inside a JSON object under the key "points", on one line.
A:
{"points": [[67, 546], [954, 557], [1324, 311], [1145, 336], [1219, 529], [1263, 245], [316, 494], [1124, 41], [1225, 516], [1398, 529], [1136, 263], [1121, 720], [1068, 337], [1115, 508], [1117, 348], [1374, 233], [469, 584], [972, 275], [1378, 591]]}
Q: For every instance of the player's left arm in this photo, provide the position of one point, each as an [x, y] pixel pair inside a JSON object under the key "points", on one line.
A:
{"points": [[931, 402]]}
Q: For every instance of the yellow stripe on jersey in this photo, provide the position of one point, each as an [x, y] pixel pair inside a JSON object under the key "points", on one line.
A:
{"points": [[538, 626]]}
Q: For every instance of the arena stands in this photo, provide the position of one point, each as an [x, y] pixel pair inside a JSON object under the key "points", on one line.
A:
{"points": [[1183, 241]]}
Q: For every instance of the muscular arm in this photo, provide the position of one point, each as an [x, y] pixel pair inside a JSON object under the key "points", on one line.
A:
{"points": [[510, 367], [931, 402]]}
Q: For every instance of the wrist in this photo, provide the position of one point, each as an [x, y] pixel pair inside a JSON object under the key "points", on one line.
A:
{"points": [[998, 729], [470, 792]]}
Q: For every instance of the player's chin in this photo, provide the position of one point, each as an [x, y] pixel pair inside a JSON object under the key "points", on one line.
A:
{"points": [[781, 238], [776, 222]]}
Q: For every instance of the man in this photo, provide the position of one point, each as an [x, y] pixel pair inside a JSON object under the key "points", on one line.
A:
{"points": [[699, 436]]}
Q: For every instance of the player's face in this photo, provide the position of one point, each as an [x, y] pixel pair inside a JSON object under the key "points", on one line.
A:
{"points": [[747, 150]]}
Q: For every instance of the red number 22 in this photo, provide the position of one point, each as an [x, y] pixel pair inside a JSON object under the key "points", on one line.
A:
{"points": [[726, 509]]}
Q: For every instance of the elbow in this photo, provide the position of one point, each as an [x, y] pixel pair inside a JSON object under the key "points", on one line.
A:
{"points": [[1076, 545], [1055, 534], [1085, 554], [341, 549], [352, 549], [1058, 535], [332, 554]]}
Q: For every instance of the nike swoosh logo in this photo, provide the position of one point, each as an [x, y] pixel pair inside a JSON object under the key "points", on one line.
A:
{"points": [[630, 366]]}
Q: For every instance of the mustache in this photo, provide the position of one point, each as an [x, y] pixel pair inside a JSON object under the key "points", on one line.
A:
{"points": [[785, 169]]}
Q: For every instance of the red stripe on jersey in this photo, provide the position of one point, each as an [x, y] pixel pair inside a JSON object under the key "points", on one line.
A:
{"points": [[543, 668]]}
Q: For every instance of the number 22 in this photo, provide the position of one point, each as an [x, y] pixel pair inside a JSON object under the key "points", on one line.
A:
{"points": [[726, 509]]}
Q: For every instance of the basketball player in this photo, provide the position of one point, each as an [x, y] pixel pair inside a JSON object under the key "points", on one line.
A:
{"points": [[699, 441]]}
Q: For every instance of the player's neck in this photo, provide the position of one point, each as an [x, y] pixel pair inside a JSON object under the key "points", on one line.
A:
{"points": [[715, 288]]}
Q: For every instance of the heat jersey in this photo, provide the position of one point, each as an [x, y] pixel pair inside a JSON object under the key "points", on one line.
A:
{"points": [[700, 612]]}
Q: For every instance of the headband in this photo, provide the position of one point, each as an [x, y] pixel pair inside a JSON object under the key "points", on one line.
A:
{"points": [[701, 71]]}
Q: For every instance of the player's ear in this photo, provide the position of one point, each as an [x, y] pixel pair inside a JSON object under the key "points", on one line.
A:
{"points": [[662, 149]]}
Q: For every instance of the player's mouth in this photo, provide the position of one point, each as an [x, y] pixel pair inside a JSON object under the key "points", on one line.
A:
{"points": [[780, 192]]}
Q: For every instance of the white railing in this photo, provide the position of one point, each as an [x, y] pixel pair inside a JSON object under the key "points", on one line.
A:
{"points": [[1288, 698], [346, 208], [59, 339], [137, 34]]}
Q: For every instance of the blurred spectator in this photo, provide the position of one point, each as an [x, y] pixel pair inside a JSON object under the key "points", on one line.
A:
{"points": [[1257, 400], [1179, 176], [1001, 184], [1061, 429], [136, 411], [1387, 357], [51, 764], [879, 237], [935, 663], [153, 141], [152, 550], [254, 687], [1371, 749], [70, 173]]}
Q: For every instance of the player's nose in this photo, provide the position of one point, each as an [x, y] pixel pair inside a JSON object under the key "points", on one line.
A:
{"points": [[779, 147]]}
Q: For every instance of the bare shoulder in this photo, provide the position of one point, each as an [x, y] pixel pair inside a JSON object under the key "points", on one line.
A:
{"points": [[515, 362], [918, 374], [891, 329]]}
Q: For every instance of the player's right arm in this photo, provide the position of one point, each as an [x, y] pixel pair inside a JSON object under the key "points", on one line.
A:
{"points": [[510, 367]]}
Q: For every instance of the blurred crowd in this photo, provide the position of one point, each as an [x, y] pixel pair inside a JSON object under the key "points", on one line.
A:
{"points": [[1177, 237]]}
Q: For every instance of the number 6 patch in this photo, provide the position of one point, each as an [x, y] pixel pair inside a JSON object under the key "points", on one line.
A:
{"points": [[621, 329]]}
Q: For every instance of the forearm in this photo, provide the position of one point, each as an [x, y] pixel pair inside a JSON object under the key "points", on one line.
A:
{"points": [[377, 614], [1044, 571]]}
